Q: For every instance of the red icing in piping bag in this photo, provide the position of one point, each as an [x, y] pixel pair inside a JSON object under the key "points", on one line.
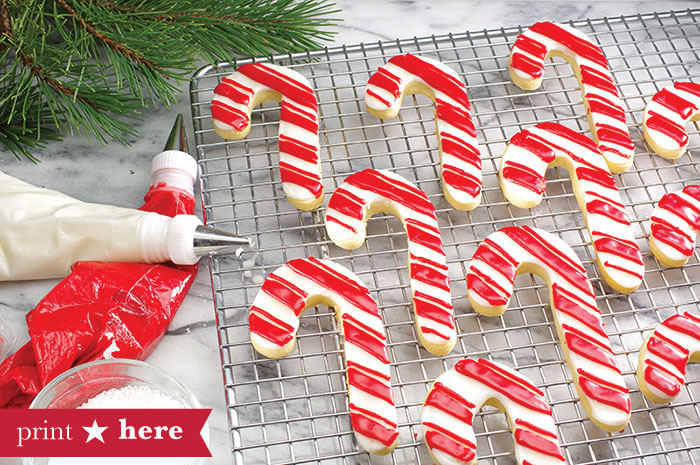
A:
{"points": [[101, 310]]}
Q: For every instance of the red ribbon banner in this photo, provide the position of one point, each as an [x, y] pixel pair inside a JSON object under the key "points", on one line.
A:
{"points": [[103, 433]]}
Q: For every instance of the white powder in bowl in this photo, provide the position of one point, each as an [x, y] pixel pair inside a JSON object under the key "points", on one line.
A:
{"points": [[128, 397]]}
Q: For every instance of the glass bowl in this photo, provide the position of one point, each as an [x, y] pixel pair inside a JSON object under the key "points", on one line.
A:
{"points": [[77, 385]]}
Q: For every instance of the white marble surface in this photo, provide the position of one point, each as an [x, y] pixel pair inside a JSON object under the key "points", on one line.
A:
{"points": [[118, 175]]}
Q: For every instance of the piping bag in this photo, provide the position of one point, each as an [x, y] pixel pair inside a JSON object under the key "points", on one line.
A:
{"points": [[117, 309]]}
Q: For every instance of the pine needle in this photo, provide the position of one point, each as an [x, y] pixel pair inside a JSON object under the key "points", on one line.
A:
{"points": [[89, 67]]}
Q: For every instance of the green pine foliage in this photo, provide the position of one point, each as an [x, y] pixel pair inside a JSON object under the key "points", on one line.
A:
{"points": [[89, 66]]}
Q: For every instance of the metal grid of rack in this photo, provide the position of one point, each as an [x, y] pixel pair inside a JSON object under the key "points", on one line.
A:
{"points": [[294, 410]]}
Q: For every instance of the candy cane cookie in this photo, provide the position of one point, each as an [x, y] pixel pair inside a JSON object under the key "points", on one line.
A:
{"points": [[606, 115], [274, 320], [371, 191], [522, 170], [460, 157], [666, 116], [458, 394], [665, 354], [255, 83], [675, 223], [513, 250]]}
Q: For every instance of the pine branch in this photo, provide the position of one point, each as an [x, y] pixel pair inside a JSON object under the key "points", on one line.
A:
{"points": [[88, 66]]}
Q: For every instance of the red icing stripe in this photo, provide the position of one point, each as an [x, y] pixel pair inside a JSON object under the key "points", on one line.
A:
{"points": [[598, 104], [690, 87], [580, 46], [288, 87], [665, 126], [461, 180], [460, 149], [682, 208], [424, 234], [325, 276], [597, 176], [602, 197], [684, 324], [668, 350], [229, 115], [617, 247], [613, 135], [433, 309], [347, 203], [447, 400], [293, 175], [493, 254], [285, 292], [572, 305], [295, 115], [567, 133], [601, 207], [524, 176], [424, 270], [396, 190], [569, 270], [534, 144], [525, 64], [519, 392], [447, 442], [387, 81], [384, 101], [675, 103], [373, 426], [661, 380], [369, 384], [298, 149], [269, 327], [433, 76], [603, 391], [366, 338], [538, 443], [587, 347], [593, 77], [535, 428], [232, 90], [487, 288], [455, 116], [531, 46]]}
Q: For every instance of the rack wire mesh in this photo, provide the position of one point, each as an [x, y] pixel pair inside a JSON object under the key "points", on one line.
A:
{"points": [[294, 410]]}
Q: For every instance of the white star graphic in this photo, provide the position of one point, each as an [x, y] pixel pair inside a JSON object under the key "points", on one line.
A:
{"points": [[95, 432]]}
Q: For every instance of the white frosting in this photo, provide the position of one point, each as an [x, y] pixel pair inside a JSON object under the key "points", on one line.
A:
{"points": [[353, 353], [661, 142], [602, 413], [617, 163], [621, 271], [462, 199], [350, 232], [478, 393], [294, 191]]}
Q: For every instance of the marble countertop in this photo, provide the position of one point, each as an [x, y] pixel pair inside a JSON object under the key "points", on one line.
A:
{"points": [[82, 168]]}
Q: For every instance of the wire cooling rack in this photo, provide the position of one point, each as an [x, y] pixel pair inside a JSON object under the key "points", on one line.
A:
{"points": [[295, 410]]}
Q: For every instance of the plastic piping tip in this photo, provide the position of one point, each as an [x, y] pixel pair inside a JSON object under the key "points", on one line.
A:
{"points": [[177, 140], [208, 240]]}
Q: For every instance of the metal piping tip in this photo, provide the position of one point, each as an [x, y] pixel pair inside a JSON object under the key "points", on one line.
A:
{"points": [[177, 140], [208, 240]]}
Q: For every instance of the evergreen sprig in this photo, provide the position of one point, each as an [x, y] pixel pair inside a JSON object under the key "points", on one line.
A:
{"points": [[89, 66]]}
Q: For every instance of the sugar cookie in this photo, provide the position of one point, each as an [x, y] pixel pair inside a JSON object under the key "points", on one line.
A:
{"points": [[371, 191], [522, 171], [665, 354], [606, 115], [458, 394], [255, 83], [587, 349], [274, 320], [460, 157], [675, 223], [666, 116]]}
